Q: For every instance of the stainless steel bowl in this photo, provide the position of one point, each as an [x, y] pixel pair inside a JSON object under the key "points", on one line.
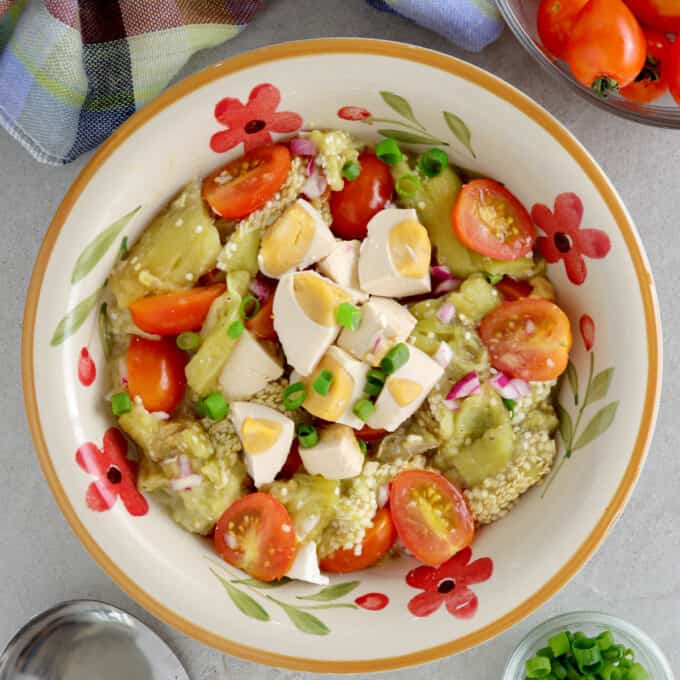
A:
{"points": [[84, 640]]}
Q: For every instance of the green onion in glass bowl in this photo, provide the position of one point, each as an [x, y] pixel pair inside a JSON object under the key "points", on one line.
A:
{"points": [[586, 626]]}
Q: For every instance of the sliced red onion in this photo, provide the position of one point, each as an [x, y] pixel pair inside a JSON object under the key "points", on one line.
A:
{"points": [[522, 386], [302, 147], [310, 166], [446, 286], [122, 370], [186, 483], [467, 385], [446, 312], [315, 185], [440, 273], [452, 404], [376, 343], [185, 468], [443, 355], [510, 389], [259, 289]]}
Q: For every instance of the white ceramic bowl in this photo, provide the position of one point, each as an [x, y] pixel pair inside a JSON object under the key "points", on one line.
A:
{"points": [[527, 556]]}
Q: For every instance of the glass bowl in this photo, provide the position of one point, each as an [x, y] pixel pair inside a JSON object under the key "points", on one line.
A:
{"points": [[647, 652], [520, 15]]}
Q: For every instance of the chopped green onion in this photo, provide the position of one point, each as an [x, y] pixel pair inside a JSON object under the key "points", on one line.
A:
{"points": [[362, 446], [573, 673], [200, 408], [538, 667], [188, 341], [121, 403], [433, 162], [235, 329], [493, 279], [294, 396], [123, 252], [605, 640], [388, 152], [348, 316], [608, 671], [407, 186], [395, 358], [580, 635], [625, 663], [322, 383], [375, 381], [586, 652], [559, 644], [307, 435], [363, 408], [637, 672], [612, 654], [510, 405], [351, 170], [545, 651], [558, 670], [629, 653], [250, 306], [214, 406]]}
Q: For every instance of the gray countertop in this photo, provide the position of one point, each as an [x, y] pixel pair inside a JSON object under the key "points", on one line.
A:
{"points": [[635, 574]]}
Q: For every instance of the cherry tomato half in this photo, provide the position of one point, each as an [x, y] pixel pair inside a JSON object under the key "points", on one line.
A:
{"points": [[247, 183], [256, 534], [663, 15], [555, 20], [488, 219], [431, 516], [175, 313], [672, 70], [513, 289], [377, 542], [368, 434], [606, 46], [651, 81], [262, 324], [156, 372], [293, 462], [361, 198], [528, 339]]}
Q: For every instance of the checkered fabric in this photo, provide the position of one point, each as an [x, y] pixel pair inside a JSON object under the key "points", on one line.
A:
{"points": [[71, 71]]}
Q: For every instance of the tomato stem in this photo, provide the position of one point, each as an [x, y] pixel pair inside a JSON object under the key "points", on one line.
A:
{"points": [[604, 86]]}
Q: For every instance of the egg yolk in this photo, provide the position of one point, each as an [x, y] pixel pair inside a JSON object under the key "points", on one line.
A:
{"points": [[410, 249], [318, 298], [259, 434], [403, 390], [286, 242], [333, 405]]}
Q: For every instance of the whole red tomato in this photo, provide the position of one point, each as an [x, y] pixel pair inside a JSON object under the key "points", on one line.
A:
{"points": [[606, 49], [664, 15], [556, 19], [672, 70], [361, 198], [651, 81]]}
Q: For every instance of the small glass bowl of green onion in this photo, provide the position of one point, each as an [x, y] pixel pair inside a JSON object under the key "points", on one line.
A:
{"points": [[635, 646]]}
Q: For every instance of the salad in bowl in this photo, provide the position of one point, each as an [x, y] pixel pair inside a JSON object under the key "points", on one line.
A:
{"points": [[328, 351]]}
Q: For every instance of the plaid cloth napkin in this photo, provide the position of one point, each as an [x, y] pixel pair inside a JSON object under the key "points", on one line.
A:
{"points": [[71, 71]]}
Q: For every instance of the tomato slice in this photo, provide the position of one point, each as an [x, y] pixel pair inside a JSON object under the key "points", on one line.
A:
{"points": [[174, 313], [256, 534], [377, 542], [156, 373], [528, 339], [513, 289], [431, 516], [489, 220], [368, 434], [262, 324], [361, 198], [247, 183]]}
